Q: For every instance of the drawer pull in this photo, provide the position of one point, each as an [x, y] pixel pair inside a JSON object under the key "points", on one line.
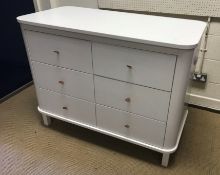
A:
{"points": [[129, 66], [127, 126], [61, 82], [195, 61], [65, 108], [128, 100], [57, 52]]}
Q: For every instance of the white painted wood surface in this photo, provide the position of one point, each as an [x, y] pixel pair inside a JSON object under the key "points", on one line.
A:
{"points": [[74, 109], [155, 30], [60, 51], [46, 120], [143, 101], [65, 81], [147, 68], [130, 125], [178, 97], [160, 61], [109, 133], [165, 159]]}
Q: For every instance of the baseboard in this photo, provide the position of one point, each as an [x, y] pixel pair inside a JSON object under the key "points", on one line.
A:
{"points": [[205, 102], [15, 92]]}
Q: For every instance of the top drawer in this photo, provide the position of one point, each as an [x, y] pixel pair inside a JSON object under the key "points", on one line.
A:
{"points": [[60, 51], [135, 66]]}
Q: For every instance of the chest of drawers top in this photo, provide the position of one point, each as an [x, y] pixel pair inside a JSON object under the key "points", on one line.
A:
{"points": [[146, 29]]}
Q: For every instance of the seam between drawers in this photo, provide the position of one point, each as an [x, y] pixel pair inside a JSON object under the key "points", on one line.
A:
{"points": [[133, 114], [134, 83], [64, 94], [174, 73], [61, 67], [93, 76]]}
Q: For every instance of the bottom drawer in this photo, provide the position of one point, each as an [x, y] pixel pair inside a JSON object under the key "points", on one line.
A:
{"points": [[130, 125], [68, 107]]}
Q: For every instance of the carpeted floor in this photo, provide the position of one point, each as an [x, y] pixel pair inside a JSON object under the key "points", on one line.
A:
{"points": [[29, 148]]}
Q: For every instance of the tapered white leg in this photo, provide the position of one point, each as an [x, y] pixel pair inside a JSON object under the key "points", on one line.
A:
{"points": [[46, 120], [165, 159]]}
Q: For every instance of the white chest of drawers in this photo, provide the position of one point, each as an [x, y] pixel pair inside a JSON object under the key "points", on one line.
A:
{"points": [[124, 75]]}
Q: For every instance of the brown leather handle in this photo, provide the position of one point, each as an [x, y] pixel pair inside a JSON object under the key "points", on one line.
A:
{"points": [[127, 126], [57, 52], [61, 82], [129, 67], [128, 100]]}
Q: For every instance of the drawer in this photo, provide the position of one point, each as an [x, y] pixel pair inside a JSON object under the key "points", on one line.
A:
{"points": [[132, 98], [67, 107], [135, 66], [130, 125], [65, 81], [60, 51]]}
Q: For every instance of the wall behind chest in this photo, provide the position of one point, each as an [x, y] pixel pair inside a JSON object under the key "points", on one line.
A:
{"points": [[81, 3]]}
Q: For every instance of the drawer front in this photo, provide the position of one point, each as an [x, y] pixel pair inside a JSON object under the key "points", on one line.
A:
{"points": [[65, 81], [131, 126], [60, 51], [136, 66], [68, 107], [140, 100]]}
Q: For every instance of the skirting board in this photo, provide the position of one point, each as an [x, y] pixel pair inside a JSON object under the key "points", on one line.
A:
{"points": [[205, 102], [16, 92]]}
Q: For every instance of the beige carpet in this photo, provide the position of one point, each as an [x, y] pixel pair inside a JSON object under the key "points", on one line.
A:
{"points": [[27, 147]]}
